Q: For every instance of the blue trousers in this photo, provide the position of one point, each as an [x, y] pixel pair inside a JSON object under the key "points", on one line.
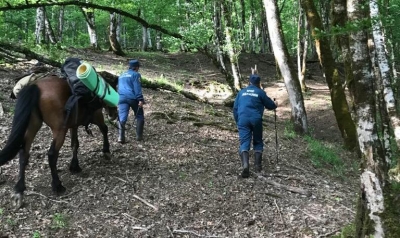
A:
{"points": [[124, 105], [250, 128]]}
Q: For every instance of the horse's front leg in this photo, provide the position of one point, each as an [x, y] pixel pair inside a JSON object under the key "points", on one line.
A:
{"points": [[56, 144], [106, 144], [74, 165], [98, 120]]}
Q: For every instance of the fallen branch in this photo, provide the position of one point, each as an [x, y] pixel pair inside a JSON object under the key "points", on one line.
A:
{"points": [[145, 202], [280, 213], [329, 233], [143, 228], [41, 195], [194, 233], [285, 187], [314, 217], [71, 193]]}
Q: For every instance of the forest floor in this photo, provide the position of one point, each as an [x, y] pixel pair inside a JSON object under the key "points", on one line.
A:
{"points": [[187, 168]]}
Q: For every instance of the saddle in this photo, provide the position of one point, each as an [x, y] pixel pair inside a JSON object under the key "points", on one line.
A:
{"points": [[79, 92]]}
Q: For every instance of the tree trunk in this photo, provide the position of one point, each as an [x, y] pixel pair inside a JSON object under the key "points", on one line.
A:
{"points": [[90, 21], [61, 23], [233, 55], [40, 26], [159, 46], [384, 68], [114, 43], [301, 48], [369, 218], [339, 102], [286, 67], [49, 30], [384, 125]]}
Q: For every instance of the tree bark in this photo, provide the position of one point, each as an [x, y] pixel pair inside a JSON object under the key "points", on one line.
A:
{"points": [[369, 218], [40, 26], [339, 102], [49, 29], [232, 53], [286, 66], [301, 49], [384, 68], [114, 43]]}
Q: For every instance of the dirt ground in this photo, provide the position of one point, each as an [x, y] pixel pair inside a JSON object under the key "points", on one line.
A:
{"points": [[183, 179]]}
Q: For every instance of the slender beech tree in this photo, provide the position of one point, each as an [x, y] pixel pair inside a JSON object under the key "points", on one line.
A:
{"points": [[232, 52], [385, 73], [40, 26], [49, 29], [301, 50], [88, 13], [61, 23], [114, 43], [286, 66], [331, 74], [370, 207]]}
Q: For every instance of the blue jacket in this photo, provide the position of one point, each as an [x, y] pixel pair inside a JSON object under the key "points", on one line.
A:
{"points": [[250, 102], [129, 85]]}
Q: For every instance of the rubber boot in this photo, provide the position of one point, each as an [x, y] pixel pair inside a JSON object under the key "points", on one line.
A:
{"points": [[257, 162], [121, 132], [245, 164], [139, 129]]}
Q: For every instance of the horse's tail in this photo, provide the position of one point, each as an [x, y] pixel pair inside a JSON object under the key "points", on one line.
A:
{"points": [[28, 100]]}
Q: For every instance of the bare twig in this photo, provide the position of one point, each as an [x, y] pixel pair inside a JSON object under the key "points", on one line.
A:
{"points": [[314, 217], [143, 229], [145, 202], [280, 213], [41, 195], [71, 193], [329, 233], [194, 233], [130, 217], [120, 179], [288, 188], [170, 232]]}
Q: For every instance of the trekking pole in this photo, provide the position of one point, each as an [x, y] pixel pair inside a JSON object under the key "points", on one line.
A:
{"points": [[276, 139]]}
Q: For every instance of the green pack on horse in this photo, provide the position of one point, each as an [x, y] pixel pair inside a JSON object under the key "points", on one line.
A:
{"points": [[45, 100]]}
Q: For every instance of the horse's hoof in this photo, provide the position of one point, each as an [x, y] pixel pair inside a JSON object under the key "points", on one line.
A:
{"points": [[59, 190], [107, 156], [18, 200], [75, 169]]}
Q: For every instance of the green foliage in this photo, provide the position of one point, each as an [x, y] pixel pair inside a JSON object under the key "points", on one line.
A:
{"points": [[289, 131], [323, 156], [1, 211], [11, 222], [59, 221], [36, 234], [347, 232]]}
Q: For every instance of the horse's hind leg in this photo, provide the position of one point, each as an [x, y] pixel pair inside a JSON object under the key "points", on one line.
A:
{"points": [[74, 165], [58, 141], [99, 121], [33, 127]]}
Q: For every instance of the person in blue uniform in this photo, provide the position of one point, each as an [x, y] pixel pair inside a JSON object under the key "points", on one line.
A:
{"points": [[248, 111], [130, 96]]}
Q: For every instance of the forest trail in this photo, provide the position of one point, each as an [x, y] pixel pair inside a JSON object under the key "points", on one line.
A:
{"points": [[183, 179]]}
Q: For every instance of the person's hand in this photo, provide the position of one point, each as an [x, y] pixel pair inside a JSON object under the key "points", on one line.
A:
{"points": [[276, 102], [140, 103]]}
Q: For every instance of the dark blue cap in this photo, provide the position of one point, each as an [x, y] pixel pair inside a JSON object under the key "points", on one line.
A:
{"points": [[255, 79], [133, 63]]}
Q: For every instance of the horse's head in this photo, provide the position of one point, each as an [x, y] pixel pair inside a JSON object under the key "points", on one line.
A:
{"points": [[111, 112]]}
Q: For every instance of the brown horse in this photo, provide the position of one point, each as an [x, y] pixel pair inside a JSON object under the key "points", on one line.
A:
{"points": [[44, 101]]}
